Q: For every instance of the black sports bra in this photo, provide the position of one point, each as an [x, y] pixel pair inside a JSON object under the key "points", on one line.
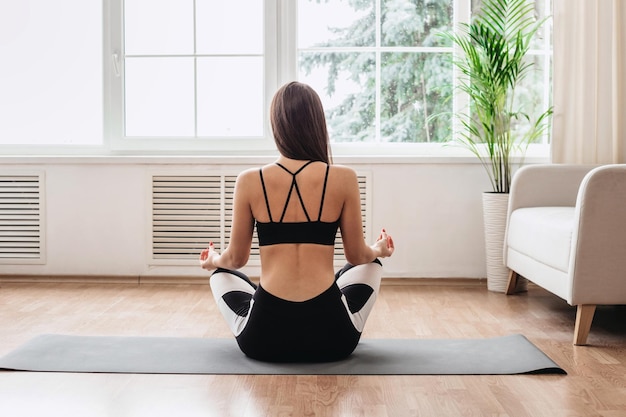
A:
{"points": [[316, 231]]}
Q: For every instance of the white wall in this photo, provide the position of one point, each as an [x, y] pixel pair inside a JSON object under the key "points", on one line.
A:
{"points": [[98, 208]]}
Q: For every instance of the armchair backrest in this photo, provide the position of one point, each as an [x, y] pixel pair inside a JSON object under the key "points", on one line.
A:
{"points": [[551, 185]]}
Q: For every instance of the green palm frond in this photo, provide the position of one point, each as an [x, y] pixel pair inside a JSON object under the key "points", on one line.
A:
{"points": [[494, 46]]}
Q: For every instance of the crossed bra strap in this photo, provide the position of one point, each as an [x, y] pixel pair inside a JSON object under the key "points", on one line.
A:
{"points": [[294, 185]]}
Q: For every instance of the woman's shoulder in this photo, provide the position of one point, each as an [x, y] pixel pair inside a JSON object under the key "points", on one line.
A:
{"points": [[342, 171], [249, 172], [248, 176], [342, 177]]}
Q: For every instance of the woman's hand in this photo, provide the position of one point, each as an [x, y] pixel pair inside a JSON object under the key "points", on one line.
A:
{"points": [[208, 256], [384, 246]]}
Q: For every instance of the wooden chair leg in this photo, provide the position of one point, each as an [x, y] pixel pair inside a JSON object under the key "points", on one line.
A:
{"points": [[584, 317], [510, 287]]}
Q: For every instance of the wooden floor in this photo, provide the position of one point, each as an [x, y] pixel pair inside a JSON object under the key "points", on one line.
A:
{"points": [[595, 384]]}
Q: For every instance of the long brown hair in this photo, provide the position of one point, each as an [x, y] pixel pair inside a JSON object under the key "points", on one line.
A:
{"points": [[299, 124]]}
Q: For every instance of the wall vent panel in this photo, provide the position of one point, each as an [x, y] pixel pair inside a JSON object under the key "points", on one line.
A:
{"points": [[21, 219]]}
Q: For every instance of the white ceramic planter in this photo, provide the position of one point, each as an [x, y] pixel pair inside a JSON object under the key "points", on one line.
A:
{"points": [[494, 216]]}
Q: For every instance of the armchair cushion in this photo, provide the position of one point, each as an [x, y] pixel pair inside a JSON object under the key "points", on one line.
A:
{"points": [[543, 234]]}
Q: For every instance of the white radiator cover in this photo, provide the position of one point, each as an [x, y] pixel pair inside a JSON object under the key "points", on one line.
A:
{"points": [[22, 232], [189, 210]]}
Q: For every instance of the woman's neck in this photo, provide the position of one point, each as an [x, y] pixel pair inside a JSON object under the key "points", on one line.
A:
{"points": [[283, 160]]}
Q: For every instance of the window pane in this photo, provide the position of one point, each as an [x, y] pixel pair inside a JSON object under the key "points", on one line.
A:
{"points": [[50, 77], [158, 27], [159, 97], [336, 23], [531, 97], [542, 10], [414, 88], [415, 23], [194, 68], [346, 85], [229, 27], [230, 96]]}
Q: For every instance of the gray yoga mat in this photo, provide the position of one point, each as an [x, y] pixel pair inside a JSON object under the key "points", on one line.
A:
{"points": [[169, 355]]}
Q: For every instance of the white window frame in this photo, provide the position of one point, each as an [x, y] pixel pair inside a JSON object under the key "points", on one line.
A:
{"points": [[114, 90]]}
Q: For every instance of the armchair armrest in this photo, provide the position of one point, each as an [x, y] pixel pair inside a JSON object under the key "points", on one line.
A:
{"points": [[598, 262]]}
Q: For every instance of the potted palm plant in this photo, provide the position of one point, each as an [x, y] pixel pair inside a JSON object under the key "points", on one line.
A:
{"points": [[492, 59]]}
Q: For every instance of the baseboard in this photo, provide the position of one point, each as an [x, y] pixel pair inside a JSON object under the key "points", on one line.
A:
{"points": [[448, 282], [167, 280], [174, 280], [69, 279]]}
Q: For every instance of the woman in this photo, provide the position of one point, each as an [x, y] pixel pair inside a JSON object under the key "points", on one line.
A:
{"points": [[301, 310]]}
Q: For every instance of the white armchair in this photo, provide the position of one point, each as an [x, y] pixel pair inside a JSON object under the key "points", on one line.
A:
{"points": [[566, 232]]}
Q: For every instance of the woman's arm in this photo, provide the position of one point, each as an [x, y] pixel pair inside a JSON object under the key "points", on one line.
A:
{"points": [[356, 250], [236, 255]]}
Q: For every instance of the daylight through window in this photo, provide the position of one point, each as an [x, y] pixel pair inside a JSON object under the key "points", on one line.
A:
{"points": [[189, 75]]}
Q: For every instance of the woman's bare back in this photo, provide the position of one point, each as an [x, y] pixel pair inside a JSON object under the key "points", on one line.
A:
{"points": [[298, 271]]}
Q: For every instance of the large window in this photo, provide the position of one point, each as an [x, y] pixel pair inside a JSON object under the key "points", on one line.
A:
{"points": [[198, 75]]}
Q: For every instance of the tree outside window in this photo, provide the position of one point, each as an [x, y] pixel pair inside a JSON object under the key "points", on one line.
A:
{"points": [[383, 72]]}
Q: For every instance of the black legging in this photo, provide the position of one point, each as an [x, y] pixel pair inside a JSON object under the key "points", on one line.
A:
{"points": [[324, 328]]}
